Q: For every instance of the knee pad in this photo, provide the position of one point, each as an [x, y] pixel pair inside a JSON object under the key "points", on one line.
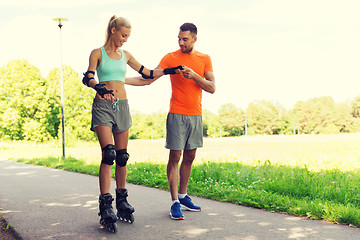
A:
{"points": [[109, 154], [121, 157]]}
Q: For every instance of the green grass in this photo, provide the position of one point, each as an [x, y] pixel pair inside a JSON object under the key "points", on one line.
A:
{"points": [[5, 231], [330, 195], [68, 164], [312, 176]]}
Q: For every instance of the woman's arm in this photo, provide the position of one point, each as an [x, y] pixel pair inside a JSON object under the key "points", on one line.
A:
{"points": [[140, 81], [93, 60], [89, 79], [134, 64]]}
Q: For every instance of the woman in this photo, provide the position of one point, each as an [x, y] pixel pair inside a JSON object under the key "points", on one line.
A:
{"points": [[111, 118]]}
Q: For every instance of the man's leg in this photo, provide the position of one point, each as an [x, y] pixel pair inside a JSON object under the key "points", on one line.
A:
{"points": [[173, 172], [173, 179], [185, 169]]}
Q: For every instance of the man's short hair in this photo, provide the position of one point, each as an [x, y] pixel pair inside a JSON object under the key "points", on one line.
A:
{"points": [[189, 27]]}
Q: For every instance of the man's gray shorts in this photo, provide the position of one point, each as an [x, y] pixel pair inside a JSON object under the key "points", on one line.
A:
{"points": [[116, 115], [183, 132]]}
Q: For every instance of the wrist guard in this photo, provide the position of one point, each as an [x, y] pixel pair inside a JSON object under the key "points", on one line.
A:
{"points": [[145, 76], [172, 70], [101, 89], [86, 78]]}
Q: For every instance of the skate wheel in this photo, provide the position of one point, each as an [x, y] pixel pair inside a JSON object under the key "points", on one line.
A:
{"points": [[112, 227], [131, 218]]}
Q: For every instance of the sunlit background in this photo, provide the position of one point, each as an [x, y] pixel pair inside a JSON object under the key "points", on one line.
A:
{"points": [[281, 50]]}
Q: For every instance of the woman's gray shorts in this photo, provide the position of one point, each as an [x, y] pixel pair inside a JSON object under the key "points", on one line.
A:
{"points": [[183, 132], [116, 115]]}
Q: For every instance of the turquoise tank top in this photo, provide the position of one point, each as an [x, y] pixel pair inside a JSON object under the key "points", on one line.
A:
{"points": [[111, 70]]}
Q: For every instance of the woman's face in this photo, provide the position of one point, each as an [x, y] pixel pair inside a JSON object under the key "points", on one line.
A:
{"points": [[121, 36]]}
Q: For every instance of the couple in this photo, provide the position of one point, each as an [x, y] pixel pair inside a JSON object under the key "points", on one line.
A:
{"points": [[191, 72]]}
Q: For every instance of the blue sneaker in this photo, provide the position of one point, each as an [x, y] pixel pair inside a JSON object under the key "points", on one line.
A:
{"points": [[175, 212], [189, 205]]}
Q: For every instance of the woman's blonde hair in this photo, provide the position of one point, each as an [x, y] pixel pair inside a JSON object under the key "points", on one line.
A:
{"points": [[117, 23]]}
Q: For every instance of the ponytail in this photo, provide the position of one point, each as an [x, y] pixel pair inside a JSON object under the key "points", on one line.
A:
{"points": [[117, 23]]}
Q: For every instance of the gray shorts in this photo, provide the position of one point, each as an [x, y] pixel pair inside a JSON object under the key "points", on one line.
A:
{"points": [[116, 115], [183, 132]]}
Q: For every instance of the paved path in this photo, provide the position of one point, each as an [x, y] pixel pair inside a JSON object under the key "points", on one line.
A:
{"points": [[43, 203]]}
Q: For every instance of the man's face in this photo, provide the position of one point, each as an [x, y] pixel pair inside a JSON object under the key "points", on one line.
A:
{"points": [[186, 41]]}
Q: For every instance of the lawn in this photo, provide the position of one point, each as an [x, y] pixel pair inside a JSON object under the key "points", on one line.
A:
{"points": [[315, 176], [316, 152]]}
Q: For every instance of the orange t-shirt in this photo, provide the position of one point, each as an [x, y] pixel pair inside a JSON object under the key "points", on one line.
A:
{"points": [[186, 93]]}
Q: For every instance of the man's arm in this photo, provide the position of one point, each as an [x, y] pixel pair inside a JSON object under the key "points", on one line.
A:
{"points": [[207, 84]]}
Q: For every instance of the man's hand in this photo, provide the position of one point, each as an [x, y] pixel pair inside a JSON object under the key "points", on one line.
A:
{"points": [[207, 84], [188, 72]]}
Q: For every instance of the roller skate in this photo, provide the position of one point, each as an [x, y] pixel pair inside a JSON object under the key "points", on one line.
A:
{"points": [[108, 217], [125, 210]]}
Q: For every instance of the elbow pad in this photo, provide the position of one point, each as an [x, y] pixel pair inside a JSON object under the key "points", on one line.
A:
{"points": [[145, 76], [86, 78]]}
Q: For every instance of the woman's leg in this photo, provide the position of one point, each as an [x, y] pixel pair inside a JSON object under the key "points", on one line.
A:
{"points": [[104, 135], [121, 142]]}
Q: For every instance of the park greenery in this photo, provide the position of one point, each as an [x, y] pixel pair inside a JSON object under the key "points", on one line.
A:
{"points": [[30, 110], [314, 179], [314, 176]]}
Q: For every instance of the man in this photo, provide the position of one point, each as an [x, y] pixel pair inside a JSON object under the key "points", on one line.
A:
{"points": [[184, 129]]}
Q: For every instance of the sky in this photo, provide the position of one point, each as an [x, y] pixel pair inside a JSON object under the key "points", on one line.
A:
{"points": [[283, 51]]}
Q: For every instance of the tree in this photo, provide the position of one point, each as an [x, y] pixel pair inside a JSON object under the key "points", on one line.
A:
{"points": [[232, 120], [30, 110], [315, 114], [211, 124], [135, 129], [287, 122], [264, 117], [24, 108], [157, 122], [344, 120], [356, 107], [77, 104], [148, 126]]}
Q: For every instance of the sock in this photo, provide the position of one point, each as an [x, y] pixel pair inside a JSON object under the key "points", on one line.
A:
{"points": [[181, 196], [176, 201]]}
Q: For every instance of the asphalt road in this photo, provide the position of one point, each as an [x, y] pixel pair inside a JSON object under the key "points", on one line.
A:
{"points": [[43, 203]]}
